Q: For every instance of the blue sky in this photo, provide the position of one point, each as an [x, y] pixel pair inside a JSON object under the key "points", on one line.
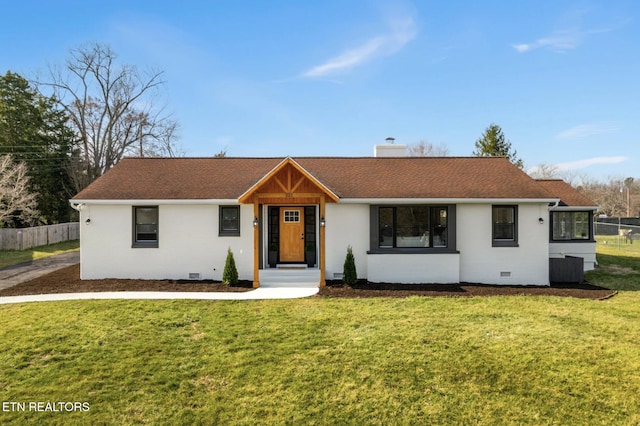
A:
{"points": [[276, 78]]}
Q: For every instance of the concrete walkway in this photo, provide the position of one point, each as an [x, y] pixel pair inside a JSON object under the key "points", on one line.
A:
{"points": [[257, 294], [13, 275]]}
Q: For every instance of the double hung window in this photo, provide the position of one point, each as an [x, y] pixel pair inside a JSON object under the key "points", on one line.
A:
{"points": [[145, 226], [229, 221], [505, 226]]}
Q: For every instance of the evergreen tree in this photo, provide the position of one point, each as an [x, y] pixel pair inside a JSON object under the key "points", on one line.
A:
{"points": [[230, 273], [349, 273], [494, 144], [34, 131]]}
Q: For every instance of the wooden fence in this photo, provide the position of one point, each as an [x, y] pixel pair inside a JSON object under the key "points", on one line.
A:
{"points": [[25, 238]]}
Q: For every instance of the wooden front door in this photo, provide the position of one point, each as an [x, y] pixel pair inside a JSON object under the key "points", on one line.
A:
{"points": [[292, 234]]}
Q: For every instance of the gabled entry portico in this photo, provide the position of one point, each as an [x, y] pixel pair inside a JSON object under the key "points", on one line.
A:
{"points": [[293, 194]]}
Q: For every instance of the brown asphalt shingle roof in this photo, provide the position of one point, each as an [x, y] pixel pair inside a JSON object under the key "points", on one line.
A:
{"points": [[178, 178], [357, 177], [569, 196]]}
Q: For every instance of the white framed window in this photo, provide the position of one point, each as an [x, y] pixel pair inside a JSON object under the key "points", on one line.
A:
{"points": [[291, 216]]}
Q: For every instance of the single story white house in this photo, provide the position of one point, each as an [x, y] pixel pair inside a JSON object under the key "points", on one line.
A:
{"points": [[407, 219]]}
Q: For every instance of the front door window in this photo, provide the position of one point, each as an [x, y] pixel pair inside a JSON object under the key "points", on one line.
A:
{"points": [[292, 216]]}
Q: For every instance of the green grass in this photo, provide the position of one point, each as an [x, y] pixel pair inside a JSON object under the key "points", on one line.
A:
{"points": [[617, 246], [619, 264], [497, 360], [14, 257]]}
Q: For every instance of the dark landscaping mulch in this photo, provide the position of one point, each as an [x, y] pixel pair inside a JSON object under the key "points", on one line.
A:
{"points": [[365, 289], [67, 280]]}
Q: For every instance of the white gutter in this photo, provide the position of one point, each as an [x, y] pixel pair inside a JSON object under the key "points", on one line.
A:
{"points": [[446, 200], [556, 207], [76, 206], [82, 203], [154, 202]]}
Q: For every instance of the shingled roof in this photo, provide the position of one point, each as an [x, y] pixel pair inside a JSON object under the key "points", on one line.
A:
{"points": [[569, 196], [347, 177]]}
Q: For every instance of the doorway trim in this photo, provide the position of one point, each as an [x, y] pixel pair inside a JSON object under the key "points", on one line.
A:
{"points": [[273, 239]]}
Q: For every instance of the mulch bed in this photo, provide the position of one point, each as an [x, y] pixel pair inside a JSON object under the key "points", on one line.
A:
{"points": [[362, 290], [67, 280]]}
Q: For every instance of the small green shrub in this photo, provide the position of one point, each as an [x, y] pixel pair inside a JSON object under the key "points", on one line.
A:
{"points": [[349, 273], [230, 273]]}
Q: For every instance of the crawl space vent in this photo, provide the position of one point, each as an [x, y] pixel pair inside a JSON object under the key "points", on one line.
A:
{"points": [[505, 274], [194, 275]]}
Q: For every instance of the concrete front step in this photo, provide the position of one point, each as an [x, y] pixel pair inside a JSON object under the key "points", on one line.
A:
{"points": [[289, 277]]}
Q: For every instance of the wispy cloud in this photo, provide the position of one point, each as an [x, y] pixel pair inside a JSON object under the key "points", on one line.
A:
{"points": [[586, 130], [559, 41], [581, 164], [400, 33]]}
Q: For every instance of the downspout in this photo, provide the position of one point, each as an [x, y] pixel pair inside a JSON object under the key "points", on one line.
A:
{"points": [[555, 205], [79, 207]]}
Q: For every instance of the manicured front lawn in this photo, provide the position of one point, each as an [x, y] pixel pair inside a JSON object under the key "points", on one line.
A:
{"points": [[497, 360], [14, 257]]}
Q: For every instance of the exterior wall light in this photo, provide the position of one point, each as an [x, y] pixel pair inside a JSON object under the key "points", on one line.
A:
{"points": [[323, 222], [540, 220], [255, 222], [88, 221]]}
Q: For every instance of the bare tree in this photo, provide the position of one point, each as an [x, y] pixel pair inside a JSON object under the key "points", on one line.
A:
{"points": [[607, 196], [615, 196], [17, 203], [427, 149], [111, 109], [221, 154], [549, 171], [544, 171]]}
